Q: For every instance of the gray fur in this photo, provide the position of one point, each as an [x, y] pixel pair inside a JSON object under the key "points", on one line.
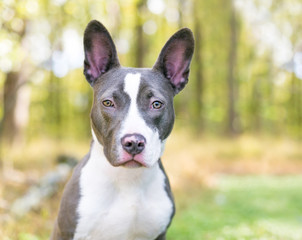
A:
{"points": [[67, 219]]}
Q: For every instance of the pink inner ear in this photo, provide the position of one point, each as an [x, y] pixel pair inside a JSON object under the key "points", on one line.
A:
{"points": [[98, 57], [176, 66], [176, 72]]}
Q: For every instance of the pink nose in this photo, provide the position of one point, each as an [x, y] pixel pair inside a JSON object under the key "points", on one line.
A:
{"points": [[133, 143]]}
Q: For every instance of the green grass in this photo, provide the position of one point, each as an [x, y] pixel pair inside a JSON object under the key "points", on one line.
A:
{"points": [[241, 207]]}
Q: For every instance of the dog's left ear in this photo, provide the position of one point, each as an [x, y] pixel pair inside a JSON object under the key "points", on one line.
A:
{"points": [[175, 58], [100, 51]]}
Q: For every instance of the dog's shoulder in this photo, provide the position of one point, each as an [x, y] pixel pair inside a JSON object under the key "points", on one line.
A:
{"points": [[168, 189], [68, 217]]}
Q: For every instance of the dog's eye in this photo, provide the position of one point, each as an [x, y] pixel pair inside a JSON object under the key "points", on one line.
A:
{"points": [[108, 103], [157, 105]]}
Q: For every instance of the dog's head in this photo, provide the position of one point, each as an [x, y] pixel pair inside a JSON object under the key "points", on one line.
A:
{"points": [[132, 112]]}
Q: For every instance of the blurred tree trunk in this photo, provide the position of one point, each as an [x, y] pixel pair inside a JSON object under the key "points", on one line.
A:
{"points": [[292, 102], [270, 86], [295, 107], [232, 120], [199, 79], [256, 105], [16, 100], [180, 13], [9, 127], [139, 46], [299, 109], [57, 88]]}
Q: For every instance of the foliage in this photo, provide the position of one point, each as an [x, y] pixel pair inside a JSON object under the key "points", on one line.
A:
{"points": [[44, 36], [241, 207]]}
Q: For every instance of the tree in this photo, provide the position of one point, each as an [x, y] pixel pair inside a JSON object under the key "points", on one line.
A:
{"points": [[139, 46], [232, 116], [199, 78]]}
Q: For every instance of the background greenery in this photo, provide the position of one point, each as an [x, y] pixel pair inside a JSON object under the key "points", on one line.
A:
{"points": [[235, 156]]}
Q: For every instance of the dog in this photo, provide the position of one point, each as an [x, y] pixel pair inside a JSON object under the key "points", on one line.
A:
{"points": [[120, 191]]}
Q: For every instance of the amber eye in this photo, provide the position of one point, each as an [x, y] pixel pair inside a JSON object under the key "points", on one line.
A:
{"points": [[108, 103], [157, 105]]}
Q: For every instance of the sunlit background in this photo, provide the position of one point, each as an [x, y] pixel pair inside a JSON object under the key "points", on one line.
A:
{"points": [[235, 156]]}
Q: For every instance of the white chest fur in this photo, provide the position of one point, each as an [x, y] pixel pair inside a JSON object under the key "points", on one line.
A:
{"points": [[121, 203]]}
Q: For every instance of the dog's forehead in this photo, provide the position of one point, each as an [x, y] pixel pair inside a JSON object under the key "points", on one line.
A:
{"points": [[111, 80], [148, 78]]}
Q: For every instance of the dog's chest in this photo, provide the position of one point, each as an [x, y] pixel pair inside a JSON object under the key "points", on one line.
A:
{"points": [[127, 209]]}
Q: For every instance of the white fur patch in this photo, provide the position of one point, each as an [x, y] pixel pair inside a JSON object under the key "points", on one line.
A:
{"points": [[121, 203], [134, 123], [131, 87]]}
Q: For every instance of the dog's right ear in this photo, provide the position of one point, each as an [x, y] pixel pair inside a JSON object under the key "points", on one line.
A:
{"points": [[100, 51]]}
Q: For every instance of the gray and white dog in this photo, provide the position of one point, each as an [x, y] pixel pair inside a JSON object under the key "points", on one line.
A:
{"points": [[120, 191]]}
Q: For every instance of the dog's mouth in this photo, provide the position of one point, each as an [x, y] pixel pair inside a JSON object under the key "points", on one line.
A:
{"points": [[133, 164], [131, 161]]}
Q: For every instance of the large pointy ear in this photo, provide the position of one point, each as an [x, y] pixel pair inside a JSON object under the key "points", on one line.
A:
{"points": [[175, 57], [100, 51]]}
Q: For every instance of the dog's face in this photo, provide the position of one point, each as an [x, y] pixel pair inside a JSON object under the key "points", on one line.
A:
{"points": [[132, 112]]}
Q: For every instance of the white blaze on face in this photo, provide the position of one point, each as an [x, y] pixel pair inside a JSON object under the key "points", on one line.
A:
{"points": [[134, 123]]}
